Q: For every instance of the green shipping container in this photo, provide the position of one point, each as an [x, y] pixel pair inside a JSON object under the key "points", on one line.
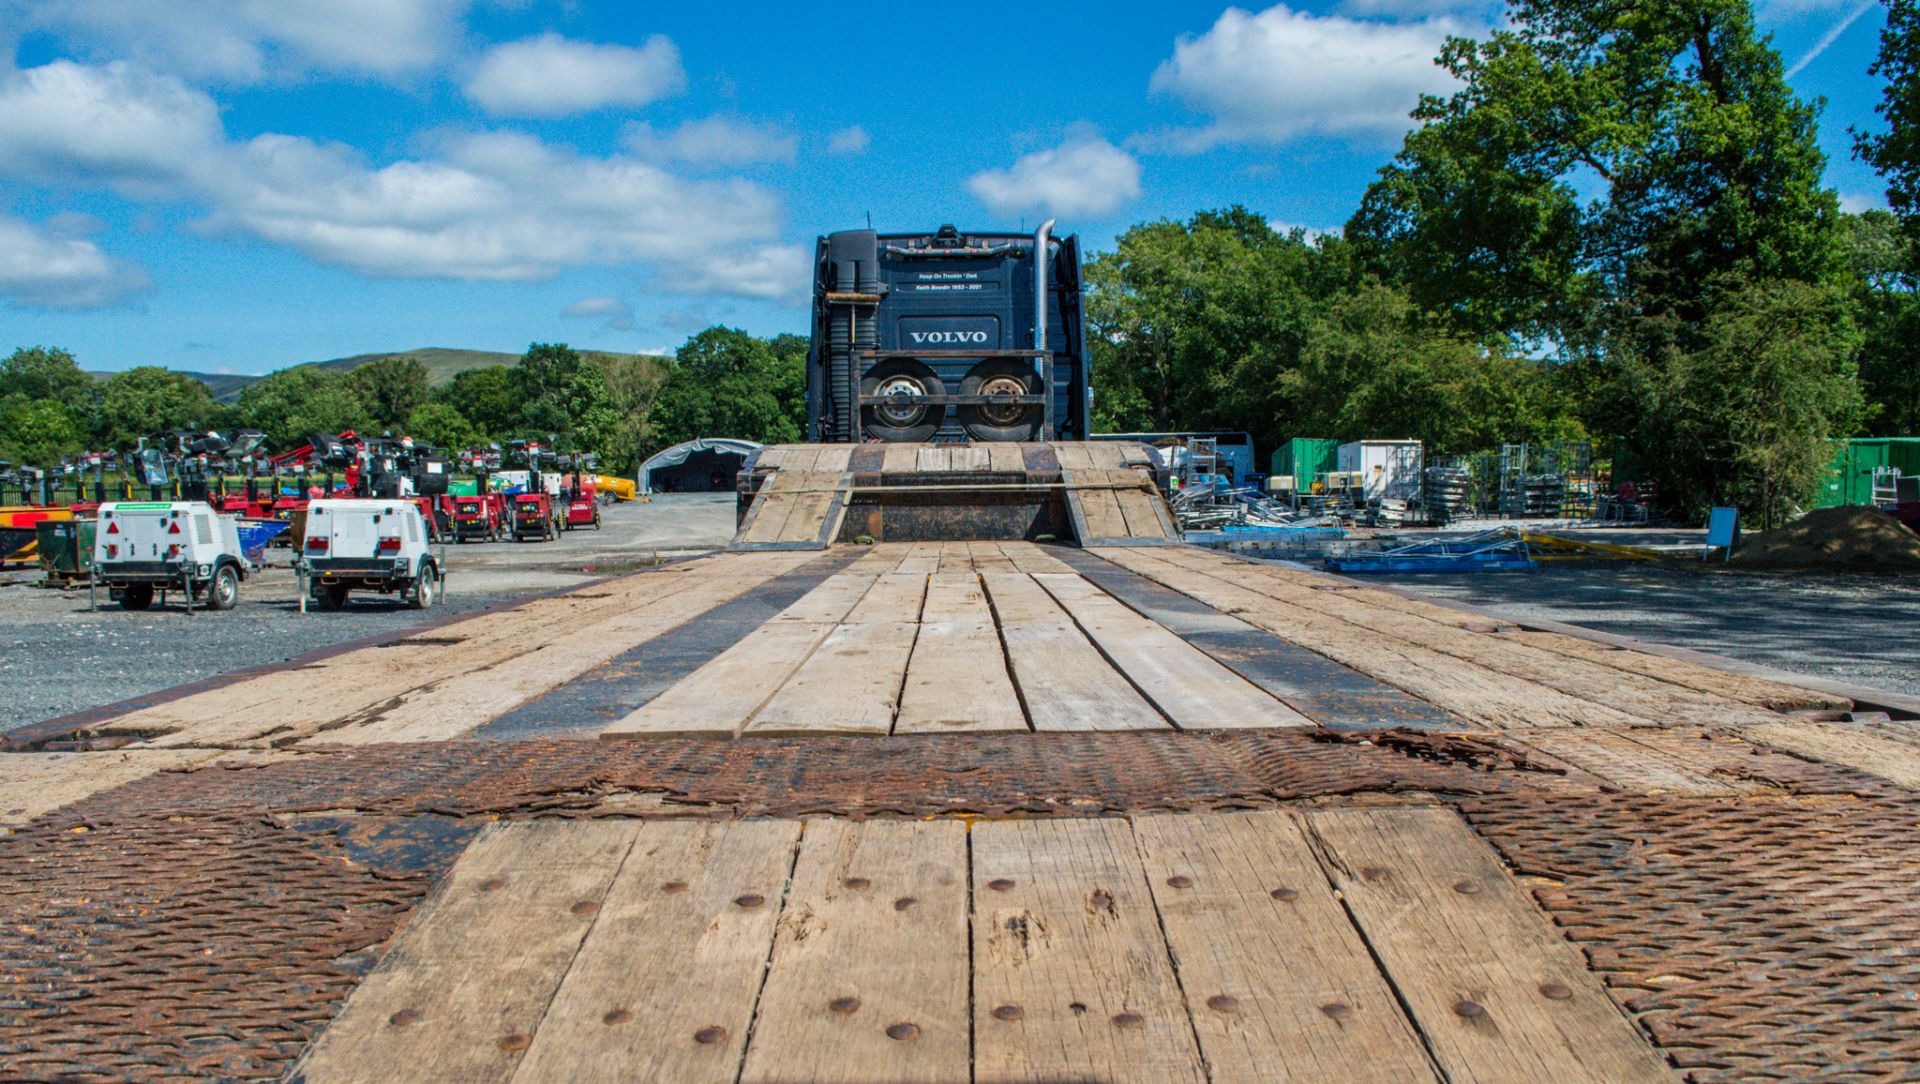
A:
{"points": [[1305, 458], [463, 487], [1850, 478], [66, 547]]}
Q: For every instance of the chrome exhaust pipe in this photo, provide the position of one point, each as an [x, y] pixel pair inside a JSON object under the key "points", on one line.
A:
{"points": [[1040, 261]]}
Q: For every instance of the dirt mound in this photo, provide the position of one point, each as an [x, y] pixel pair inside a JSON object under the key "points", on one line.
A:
{"points": [[1850, 538]]}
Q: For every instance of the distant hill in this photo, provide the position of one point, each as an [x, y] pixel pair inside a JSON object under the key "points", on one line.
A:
{"points": [[442, 365]]}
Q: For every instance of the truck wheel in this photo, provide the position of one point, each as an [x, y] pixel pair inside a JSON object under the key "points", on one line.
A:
{"points": [[1013, 421], [136, 596], [331, 596], [901, 423], [224, 591], [426, 589]]}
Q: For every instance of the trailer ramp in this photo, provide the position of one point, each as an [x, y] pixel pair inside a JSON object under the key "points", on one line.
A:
{"points": [[1096, 493]]}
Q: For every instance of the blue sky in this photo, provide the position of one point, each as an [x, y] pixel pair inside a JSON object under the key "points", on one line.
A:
{"points": [[239, 185]]}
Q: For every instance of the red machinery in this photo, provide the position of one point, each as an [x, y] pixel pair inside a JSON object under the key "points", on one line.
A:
{"points": [[480, 517], [533, 516], [582, 496]]}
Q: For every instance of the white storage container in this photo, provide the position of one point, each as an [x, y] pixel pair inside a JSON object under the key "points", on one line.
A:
{"points": [[1389, 469]]}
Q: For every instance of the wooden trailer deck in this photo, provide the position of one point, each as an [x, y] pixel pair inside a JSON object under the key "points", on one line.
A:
{"points": [[968, 811]]}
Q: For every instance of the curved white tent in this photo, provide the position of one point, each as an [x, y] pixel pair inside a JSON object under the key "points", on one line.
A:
{"points": [[689, 467]]}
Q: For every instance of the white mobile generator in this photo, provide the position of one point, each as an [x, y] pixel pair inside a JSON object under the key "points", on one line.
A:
{"points": [[368, 545], [143, 547]]}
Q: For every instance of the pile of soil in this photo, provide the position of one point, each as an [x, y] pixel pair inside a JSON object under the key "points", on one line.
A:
{"points": [[1859, 539]]}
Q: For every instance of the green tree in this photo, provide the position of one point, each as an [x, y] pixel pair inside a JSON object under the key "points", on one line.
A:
{"points": [[143, 401], [1745, 418], [292, 405], [544, 375], [1887, 305], [390, 388], [727, 383], [38, 432], [489, 398], [443, 427], [40, 372], [633, 383], [1896, 151]]}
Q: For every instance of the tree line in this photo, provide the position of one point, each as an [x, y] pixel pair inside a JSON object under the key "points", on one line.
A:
{"points": [[1615, 230]]}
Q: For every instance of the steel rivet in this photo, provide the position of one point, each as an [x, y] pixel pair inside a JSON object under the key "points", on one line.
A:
{"points": [[1467, 888], [492, 884], [857, 883], [1337, 1010], [1129, 1020], [403, 1018], [709, 1035], [1180, 880], [749, 900], [584, 907], [1077, 1008], [1223, 1003], [1373, 873], [903, 1031], [1555, 992], [1008, 1012], [516, 1041], [844, 1005], [674, 886], [904, 902], [616, 1016], [1000, 884], [1283, 894], [1468, 1008]]}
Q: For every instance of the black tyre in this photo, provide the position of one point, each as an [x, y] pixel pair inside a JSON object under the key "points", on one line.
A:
{"points": [[224, 592], [331, 596], [904, 422], [1010, 421], [426, 590], [136, 596]]}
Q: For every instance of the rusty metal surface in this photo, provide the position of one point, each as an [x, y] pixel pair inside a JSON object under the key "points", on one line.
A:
{"points": [[1769, 938], [993, 774], [153, 948]]}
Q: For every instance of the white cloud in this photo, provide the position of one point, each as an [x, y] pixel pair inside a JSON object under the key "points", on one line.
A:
{"points": [[712, 141], [47, 266], [550, 76], [852, 140], [1312, 234], [617, 313], [1084, 176], [1283, 73], [1854, 203], [245, 41], [482, 206]]}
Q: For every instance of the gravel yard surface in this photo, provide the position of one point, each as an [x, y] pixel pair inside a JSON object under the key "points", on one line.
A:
{"points": [[57, 657], [1850, 627]]}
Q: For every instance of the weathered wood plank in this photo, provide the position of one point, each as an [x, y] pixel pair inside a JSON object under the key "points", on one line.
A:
{"points": [[1759, 692], [895, 596], [849, 685], [1498, 994], [838, 1004], [934, 460], [1099, 506], [1072, 455], [722, 695], [464, 989], [1032, 557], [664, 987], [832, 600], [1852, 744], [1617, 757], [1063, 679], [1280, 985], [1071, 977], [1185, 683], [957, 681], [1003, 456]]}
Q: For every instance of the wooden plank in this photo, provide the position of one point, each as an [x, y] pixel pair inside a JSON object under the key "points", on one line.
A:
{"points": [[1474, 693], [1757, 691], [900, 458], [933, 460], [1099, 507], [465, 987], [1072, 455], [1498, 994], [957, 681], [1185, 683], [1032, 557], [1617, 757], [1851, 744], [971, 457], [664, 987], [1071, 978], [834, 458], [955, 557], [956, 598], [723, 694], [987, 557], [831, 601], [1646, 699], [1004, 456], [893, 597], [838, 1004], [1103, 454], [1280, 985], [1064, 681], [849, 685]]}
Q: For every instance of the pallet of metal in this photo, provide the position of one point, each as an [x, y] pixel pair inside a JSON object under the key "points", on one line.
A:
{"points": [[1497, 550]]}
